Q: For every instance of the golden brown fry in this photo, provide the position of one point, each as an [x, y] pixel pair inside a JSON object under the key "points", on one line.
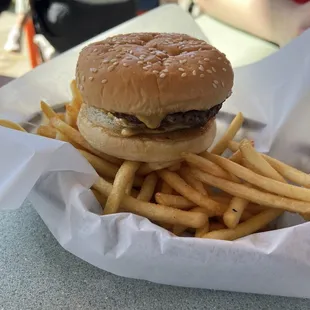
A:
{"points": [[257, 161], [147, 168], [48, 111], [254, 195], [248, 227], [232, 130], [61, 115], [71, 115], [155, 212], [175, 167], [174, 201], [200, 232], [179, 185], [268, 184], [203, 163], [101, 199], [46, 131], [234, 212], [236, 157], [60, 136], [194, 183], [216, 226], [148, 187], [76, 95], [124, 176], [179, 229], [289, 172], [11, 125], [76, 137], [165, 188]]}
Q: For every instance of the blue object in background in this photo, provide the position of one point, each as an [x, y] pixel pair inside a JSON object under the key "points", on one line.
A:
{"points": [[145, 5]]}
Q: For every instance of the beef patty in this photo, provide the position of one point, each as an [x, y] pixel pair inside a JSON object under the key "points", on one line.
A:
{"points": [[189, 119]]}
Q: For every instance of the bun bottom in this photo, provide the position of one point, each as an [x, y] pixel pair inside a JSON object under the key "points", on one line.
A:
{"points": [[146, 148]]}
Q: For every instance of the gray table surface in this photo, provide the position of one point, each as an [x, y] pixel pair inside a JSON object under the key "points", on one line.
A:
{"points": [[37, 273]]}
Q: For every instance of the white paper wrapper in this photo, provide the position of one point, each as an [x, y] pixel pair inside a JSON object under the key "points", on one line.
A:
{"points": [[274, 96]]}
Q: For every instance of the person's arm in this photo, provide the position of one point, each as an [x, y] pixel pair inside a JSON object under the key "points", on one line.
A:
{"points": [[268, 19]]}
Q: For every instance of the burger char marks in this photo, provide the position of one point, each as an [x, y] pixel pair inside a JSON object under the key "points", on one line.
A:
{"points": [[189, 119]]}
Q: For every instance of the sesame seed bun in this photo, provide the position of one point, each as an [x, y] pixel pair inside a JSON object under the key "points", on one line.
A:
{"points": [[153, 74], [146, 148]]}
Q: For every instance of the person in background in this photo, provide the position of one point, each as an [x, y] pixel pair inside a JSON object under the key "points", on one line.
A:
{"points": [[278, 21], [67, 23], [13, 42]]}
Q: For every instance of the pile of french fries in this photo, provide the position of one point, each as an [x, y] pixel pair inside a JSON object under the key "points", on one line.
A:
{"points": [[205, 195]]}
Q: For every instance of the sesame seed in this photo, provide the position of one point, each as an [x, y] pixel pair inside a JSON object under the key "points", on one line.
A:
{"points": [[95, 50], [104, 81], [105, 61], [90, 78], [201, 68], [181, 69], [81, 87], [162, 75], [192, 56], [115, 63], [140, 62], [206, 59], [125, 64], [145, 68], [165, 70], [183, 75], [219, 58], [214, 85], [209, 71], [223, 84], [213, 69], [142, 57], [202, 75], [224, 69], [200, 62], [130, 52], [83, 78], [153, 53], [194, 72], [182, 61], [155, 71], [93, 70], [113, 60], [149, 63], [215, 81], [111, 68]]}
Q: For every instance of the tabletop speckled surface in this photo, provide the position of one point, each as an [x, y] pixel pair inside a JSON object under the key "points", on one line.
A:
{"points": [[37, 273]]}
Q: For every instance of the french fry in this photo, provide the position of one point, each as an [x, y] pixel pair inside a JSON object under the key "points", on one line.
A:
{"points": [[248, 227], [76, 137], [147, 168], [61, 115], [254, 195], [155, 212], [223, 199], [71, 115], [76, 95], [47, 110], [216, 226], [234, 145], [47, 131], [175, 167], [179, 229], [174, 201], [200, 232], [179, 185], [11, 125], [148, 187], [60, 136], [236, 157], [194, 183], [101, 199], [234, 212], [124, 176], [257, 161], [232, 130], [206, 165], [268, 184], [289, 172], [165, 188]]}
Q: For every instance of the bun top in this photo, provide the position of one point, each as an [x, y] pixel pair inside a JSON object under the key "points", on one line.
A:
{"points": [[153, 73]]}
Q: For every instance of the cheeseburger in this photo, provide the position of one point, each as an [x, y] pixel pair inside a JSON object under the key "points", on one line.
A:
{"points": [[151, 96]]}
